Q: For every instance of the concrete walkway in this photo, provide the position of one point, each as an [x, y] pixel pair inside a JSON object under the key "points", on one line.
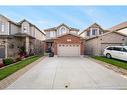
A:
{"points": [[69, 73]]}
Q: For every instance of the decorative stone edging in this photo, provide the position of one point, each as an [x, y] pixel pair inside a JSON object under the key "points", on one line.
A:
{"points": [[111, 67], [13, 77]]}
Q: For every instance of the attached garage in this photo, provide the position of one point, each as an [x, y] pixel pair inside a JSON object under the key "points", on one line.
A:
{"points": [[95, 46], [68, 49], [69, 45], [2, 51]]}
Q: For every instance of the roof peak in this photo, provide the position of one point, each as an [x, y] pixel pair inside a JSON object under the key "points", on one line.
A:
{"points": [[90, 27], [62, 24]]}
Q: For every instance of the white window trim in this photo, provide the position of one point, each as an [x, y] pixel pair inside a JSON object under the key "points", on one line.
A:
{"points": [[97, 33], [51, 34], [89, 33], [26, 29], [2, 26], [60, 32]]}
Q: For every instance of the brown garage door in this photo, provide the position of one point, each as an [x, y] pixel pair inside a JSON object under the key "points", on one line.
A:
{"points": [[2, 51], [104, 45]]}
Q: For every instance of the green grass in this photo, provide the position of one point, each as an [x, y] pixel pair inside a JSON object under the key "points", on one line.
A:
{"points": [[118, 63], [13, 68]]}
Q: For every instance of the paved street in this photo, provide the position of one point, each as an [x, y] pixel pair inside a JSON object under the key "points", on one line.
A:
{"points": [[69, 73]]}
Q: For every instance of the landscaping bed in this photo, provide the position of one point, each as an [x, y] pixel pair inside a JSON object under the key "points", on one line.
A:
{"points": [[118, 63], [6, 71]]}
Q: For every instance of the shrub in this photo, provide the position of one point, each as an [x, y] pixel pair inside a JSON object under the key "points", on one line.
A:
{"points": [[31, 54], [18, 59], [22, 52], [8, 61], [1, 65]]}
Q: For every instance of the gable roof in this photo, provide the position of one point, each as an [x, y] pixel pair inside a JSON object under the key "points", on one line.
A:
{"points": [[70, 34], [19, 23], [93, 25], [24, 20], [119, 26], [55, 28], [9, 20], [107, 34]]}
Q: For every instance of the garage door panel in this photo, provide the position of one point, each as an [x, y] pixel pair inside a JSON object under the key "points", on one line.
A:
{"points": [[68, 50], [2, 52]]}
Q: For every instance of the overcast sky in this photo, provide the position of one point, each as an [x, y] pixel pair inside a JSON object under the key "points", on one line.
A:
{"points": [[75, 16]]}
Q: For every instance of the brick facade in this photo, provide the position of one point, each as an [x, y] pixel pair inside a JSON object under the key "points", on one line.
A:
{"points": [[69, 39]]}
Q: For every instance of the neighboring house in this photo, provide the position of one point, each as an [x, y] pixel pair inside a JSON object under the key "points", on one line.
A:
{"points": [[92, 31], [95, 44], [14, 35], [64, 41]]}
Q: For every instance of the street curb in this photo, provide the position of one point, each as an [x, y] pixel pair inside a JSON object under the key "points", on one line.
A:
{"points": [[110, 66], [13, 77]]}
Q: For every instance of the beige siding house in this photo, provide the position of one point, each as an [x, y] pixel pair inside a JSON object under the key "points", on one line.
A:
{"points": [[14, 35], [95, 44]]}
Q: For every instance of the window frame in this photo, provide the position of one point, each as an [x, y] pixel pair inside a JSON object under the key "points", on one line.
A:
{"points": [[100, 32], [2, 26], [88, 33], [95, 32], [26, 30]]}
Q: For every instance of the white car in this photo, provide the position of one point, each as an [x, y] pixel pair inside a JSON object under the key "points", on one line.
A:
{"points": [[118, 52]]}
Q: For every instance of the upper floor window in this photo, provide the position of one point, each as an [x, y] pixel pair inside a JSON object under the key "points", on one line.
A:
{"points": [[62, 30], [25, 29], [100, 32], [2, 26], [94, 31], [88, 33], [50, 34]]}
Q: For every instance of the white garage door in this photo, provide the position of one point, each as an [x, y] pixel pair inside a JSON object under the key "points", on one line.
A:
{"points": [[68, 50]]}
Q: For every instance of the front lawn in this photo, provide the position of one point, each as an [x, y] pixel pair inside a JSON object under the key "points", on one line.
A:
{"points": [[118, 63], [13, 68]]}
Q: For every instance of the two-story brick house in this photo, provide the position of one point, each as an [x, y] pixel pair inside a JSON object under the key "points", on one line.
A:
{"points": [[15, 35], [64, 40]]}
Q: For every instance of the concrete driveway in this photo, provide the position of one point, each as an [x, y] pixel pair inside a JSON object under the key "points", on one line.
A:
{"points": [[69, 73]]}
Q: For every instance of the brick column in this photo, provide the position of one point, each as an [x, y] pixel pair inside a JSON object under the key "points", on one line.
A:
{"points": [[55, 48], [82, 48]]}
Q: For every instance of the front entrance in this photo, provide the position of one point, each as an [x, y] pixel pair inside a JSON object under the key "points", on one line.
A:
{"points": [[2, 51], [68, 49]]}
